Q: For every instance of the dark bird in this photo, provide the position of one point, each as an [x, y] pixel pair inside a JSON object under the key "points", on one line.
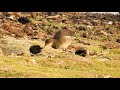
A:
{"points": [[35, 49], [23, 20]]}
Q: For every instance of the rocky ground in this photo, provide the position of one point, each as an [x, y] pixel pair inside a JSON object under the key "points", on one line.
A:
{"points": [[20, 28], [97, 35]]}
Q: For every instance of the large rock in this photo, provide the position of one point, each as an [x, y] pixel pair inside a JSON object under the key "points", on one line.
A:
{"points": [[13, 46]]}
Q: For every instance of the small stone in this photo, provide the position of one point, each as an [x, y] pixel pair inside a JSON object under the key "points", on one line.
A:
{"points": [[110, 22], [108, 76], [82, 28], [103, 32], [11, 17], [85, 35], [89, 26], [35, 37], [54, 17], [34, 61], [117, 23], [118, 40]]}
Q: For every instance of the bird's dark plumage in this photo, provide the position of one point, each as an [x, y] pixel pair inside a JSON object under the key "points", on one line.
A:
{"points": [[63, 33]]}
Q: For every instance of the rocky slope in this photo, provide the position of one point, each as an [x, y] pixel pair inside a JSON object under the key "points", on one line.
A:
{"points": [[20, 30]]}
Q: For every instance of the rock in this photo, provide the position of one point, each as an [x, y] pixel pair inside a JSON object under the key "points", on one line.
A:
{"points": [[110, 22], [20, 53], [89, 26], [85, 35], [104, 23], [13, 46], [99, 76], [92, 53], [103, 32], [29, 32], [11, 17], [111, 45], [53, 17], [35, 37], [84, 42], [64, 21], [112, 31], [102, 58], [117, 23], [33, 61], [107, 76], [33, 14], [42, 35], [96, 22], [118, 40], [73, 47], [8, 50], [82, 28], [52, 13], [103, 76], [104, 47]]}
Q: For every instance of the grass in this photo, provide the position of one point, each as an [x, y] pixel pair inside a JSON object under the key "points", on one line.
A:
{"points": [[18, 67]]}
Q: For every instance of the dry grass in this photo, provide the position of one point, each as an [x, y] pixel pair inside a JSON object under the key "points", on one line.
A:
{"points": [[64, 66]]}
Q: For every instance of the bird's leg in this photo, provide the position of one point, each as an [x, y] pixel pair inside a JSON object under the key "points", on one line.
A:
{"points": [[64, 50], [67, 50]]}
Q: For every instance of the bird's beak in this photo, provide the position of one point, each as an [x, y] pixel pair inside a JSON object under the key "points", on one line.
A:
{"points": [[44, 46]]}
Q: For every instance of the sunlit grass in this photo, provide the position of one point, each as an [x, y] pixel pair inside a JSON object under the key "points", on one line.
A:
{"points": [[56, 68]]}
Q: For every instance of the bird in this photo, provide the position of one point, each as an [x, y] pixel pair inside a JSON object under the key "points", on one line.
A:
{"points": [[61, 40]]}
